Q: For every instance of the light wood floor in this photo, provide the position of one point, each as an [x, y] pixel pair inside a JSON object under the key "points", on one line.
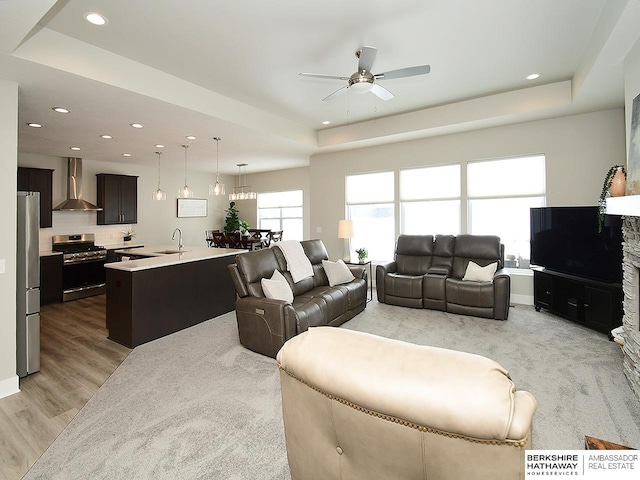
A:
{"points": [[76, 359]]}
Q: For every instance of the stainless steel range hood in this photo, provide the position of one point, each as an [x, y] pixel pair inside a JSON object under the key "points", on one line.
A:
{"points": [[74, 201]]}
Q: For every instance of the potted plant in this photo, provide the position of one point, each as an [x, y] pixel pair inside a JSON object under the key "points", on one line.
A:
{"points": [[128, 234], [616, 177], [362, 254], [232, 222]]}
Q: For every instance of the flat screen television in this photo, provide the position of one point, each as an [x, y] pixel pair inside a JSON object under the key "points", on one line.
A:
{"points": [[566, 240]]}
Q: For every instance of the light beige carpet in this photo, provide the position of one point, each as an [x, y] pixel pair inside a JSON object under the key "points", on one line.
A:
{"points": [[196, 404]]}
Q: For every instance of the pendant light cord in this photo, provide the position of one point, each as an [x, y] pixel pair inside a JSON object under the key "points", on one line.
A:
{"points": [[158, 153], [185, 163], [217, 139]]}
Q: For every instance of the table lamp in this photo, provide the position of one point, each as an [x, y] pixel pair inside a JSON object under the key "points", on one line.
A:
{"points": [[345, 230]]}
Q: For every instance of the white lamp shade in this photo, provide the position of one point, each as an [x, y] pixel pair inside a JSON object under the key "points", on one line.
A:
{"points": [[345, 228]]}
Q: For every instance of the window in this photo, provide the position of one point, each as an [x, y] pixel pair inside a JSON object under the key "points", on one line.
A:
{"points": [[500, 194], [430, 200], [370, 204], [282, 211]]}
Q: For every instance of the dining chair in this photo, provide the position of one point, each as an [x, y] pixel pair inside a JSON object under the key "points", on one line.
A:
{"points": [[208, 236], [234, 240], [275, 236], [219, 240], [262, 235]]}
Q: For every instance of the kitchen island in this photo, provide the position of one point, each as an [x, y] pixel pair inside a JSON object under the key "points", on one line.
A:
{"points": [[164, 290]]}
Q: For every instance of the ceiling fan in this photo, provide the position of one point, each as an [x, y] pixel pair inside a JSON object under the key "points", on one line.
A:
{"points": [[364, 81]]}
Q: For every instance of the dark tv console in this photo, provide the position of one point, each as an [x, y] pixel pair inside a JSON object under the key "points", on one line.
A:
{"points": [[594, 304]]}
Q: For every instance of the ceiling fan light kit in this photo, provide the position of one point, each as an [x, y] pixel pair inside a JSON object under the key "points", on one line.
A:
{"points": [[364, 81]]}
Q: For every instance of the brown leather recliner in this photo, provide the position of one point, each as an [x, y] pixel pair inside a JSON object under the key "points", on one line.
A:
{"points": [[428, 273], [363, 407], [264, 324]]}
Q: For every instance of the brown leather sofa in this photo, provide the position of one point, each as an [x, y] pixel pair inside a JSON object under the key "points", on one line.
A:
{"points": [[428, 272], [363, 407], [264, 324]]}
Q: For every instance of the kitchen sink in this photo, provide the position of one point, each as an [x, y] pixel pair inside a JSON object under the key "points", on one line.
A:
{"points": [[169, 252]]}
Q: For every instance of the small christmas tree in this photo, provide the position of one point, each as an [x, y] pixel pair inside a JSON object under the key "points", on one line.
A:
{"points": [[233, 222]]}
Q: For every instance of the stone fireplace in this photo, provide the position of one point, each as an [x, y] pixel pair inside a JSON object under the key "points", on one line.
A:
{"points": [[631, 302]]}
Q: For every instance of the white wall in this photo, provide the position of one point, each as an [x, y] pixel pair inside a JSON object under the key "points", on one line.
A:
{"points": [[156, 219], [8, 161], [579, 151], [278, 181]]}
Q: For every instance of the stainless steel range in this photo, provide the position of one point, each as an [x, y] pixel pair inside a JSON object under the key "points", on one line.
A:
{"points": [[83, 262]]}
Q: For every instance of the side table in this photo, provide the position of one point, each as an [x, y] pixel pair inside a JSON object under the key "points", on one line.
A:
{"points": [[369, 279]]}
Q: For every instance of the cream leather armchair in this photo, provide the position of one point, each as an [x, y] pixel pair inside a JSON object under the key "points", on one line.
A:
{"points": [[358, 406]]}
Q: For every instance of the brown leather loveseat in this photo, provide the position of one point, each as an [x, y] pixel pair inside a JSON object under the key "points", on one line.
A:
{"points": [[265, 324], [435, 272]]}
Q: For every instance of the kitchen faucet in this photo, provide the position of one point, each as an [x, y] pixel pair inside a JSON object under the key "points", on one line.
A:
{"points": [[173, 237]]}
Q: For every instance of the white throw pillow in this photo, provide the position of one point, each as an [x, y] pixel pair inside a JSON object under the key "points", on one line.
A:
{"points": [[477, 273], [337, 272], [277, 287]]}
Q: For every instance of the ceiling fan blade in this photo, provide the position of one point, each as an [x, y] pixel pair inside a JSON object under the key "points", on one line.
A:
{"points": [[381, 92], [320, 75], [366, 59], [336, 94], [404, 72]]}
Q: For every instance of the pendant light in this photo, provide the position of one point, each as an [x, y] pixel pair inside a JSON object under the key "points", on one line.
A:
{"points": [[242, 191], [159, 194], [217, 188], [185, 191]]}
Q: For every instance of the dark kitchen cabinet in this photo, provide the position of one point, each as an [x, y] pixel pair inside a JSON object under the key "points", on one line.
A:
{"points": [[50, 279], [39, 180], [118, 198]]}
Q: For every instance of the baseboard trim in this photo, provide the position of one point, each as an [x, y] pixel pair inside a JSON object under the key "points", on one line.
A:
{"points": [[521, 299], [9, 386]]}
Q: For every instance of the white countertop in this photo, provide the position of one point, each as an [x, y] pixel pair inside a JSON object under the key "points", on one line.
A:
{"points": [[160, 259], [117, 246], [49, 253]]}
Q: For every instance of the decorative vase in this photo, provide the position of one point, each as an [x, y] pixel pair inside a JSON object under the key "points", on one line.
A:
{"points": [[618, 184]]}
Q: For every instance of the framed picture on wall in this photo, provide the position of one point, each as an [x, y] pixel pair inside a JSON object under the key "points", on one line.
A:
{"points": [[192, 207], [633, 165]]}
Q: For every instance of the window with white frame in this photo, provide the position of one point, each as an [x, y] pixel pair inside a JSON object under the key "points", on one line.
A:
{"points": [[430, 200], [282, 211], [500, 194], [370, 204]]}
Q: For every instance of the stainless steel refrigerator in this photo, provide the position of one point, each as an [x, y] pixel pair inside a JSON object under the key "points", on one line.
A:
{"points": [[28, 283]]}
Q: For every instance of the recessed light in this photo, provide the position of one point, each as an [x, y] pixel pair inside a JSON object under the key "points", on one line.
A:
{"points": [[61, 110], [126, 154], [136, 125], [533, 76], [75, 149], [326, 122], [107, 137], [159, 145], [190, 137], [35, 125], [96, 18]]}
